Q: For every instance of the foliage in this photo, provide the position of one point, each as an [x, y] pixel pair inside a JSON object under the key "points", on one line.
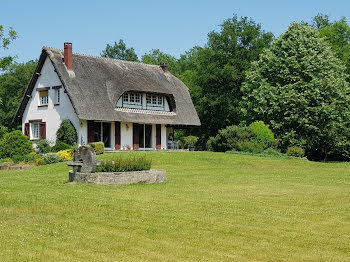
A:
{"points": [[15, 143], [252, 146], [60, 146], [337, 34], [67, 133], [124, 164], [12, 86], [120, 51], [231, 138], [263, 133], [5, 41], [295, 151], [66, 155], [218, 70], [3, 131], [156, 57], [43, 146], [51, 158], [190, 141], [99, 147], [301, 92]]}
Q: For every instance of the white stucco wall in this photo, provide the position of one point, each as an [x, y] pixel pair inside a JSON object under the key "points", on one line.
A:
{"points": [[52, 115], [164, 137]]}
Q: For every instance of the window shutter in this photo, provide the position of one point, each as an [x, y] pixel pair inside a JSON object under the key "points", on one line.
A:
{"points": [[136, 129], [117, 135], [26, 130], [43, 130], [158, 137]]}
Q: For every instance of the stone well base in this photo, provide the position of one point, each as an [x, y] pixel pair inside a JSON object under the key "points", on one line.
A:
{"points": [[119, 178]]}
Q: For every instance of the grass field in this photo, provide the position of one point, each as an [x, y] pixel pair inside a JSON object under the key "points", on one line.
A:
{"points": [[214, 207]]}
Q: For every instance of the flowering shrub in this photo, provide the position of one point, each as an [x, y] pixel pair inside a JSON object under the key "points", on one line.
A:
{"points": [[66, 155]]}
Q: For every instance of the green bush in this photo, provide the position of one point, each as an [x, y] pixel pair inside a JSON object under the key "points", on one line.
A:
{"points": [[295, 151], [43, 146], [99, 147], [60, 146], [67, 133], [190, 140], [272, 152], [3, 131], [51, 158], [230, 138], [15, 143], [124, 164], [250, 146], [264, 135]]}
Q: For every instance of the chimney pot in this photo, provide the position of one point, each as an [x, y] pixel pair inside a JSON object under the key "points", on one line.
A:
{"points": [[164, 66], [68, 56]]}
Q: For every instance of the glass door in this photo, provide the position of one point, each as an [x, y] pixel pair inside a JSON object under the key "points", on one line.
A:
{"points": [[106, 134], [145, 136]]}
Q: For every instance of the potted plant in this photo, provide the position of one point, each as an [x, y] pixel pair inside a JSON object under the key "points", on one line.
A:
{"points": [[190, 141]]}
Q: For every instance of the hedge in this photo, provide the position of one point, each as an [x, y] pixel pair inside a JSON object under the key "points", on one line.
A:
{"points": [[99, 147]]}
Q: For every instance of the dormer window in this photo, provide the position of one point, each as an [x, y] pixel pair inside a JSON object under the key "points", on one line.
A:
{"points": [[154, 100], [44, 97], [132, 98]]}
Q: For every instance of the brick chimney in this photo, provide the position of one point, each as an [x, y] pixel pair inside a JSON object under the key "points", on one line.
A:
{"points": [[164, 66], [68, 57]]}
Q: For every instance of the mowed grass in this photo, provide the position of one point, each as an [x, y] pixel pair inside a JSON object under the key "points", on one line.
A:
{"points": [[214, 207]]}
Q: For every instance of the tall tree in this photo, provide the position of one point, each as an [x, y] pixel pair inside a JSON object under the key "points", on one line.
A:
{"points": [[215, 73], [299, 88], [120, 51], [337, 34], [12, 86], [155, 57], [5, 41]]}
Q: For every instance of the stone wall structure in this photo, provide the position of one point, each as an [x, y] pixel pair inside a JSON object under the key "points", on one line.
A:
{"points": [[119, 178]]}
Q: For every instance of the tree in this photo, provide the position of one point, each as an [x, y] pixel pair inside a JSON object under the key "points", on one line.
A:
{"points": [[156, 57], [215, 73], [12, 86], [5, 41], [299, 88], [120, 51], [337, 34]]}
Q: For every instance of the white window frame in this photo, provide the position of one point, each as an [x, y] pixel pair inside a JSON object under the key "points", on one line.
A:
{"points": [[44, 100], [57, 96], [154, 100], [132, 98], [35, 130]]}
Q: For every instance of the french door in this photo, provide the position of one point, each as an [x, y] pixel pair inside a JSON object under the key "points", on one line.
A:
{"points": [[145, 136]]}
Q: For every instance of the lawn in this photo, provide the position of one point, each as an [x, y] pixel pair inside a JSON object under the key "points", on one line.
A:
{"points": [[214, 207]]}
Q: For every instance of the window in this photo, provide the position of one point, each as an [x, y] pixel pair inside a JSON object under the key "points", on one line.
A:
{"points": [[126, 97], [132, 98], [57, 96], [44, 97], [154, 100], [36, 130]]}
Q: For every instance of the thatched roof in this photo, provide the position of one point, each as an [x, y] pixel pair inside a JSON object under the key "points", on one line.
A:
{"points": [[97, 83]]}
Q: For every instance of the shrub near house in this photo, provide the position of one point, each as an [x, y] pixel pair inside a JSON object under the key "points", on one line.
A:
{"points": [[15, 143]]}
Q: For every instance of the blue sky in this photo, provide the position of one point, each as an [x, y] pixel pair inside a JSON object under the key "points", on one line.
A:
{"points": [[172, 26]]}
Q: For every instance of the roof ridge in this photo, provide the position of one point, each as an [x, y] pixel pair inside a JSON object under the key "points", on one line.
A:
{"points": [[99, 57]]}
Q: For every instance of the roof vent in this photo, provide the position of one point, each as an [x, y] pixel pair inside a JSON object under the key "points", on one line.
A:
{"points": [[164, 66], [68, 56]]}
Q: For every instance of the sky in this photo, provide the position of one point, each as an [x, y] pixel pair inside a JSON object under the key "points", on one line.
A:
{"points": [[173, 27]]}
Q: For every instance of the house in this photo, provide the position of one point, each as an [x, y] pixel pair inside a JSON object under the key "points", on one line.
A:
{"points": [[126, 105]]}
